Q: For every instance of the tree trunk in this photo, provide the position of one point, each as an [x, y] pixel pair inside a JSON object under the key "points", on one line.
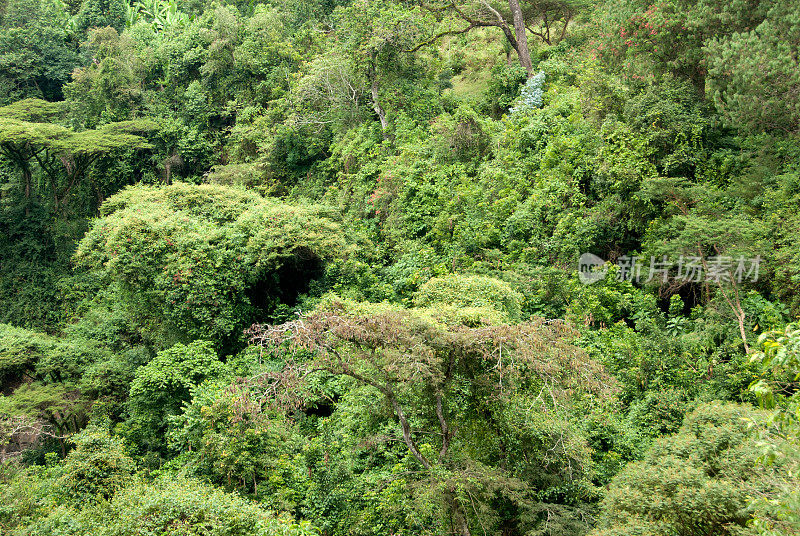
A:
{"points": [[26, 174], [733, 302], [372, 74], [376, 105], [458, 521], [522, 38], [27, 178], [461, 522], [741, 316]]}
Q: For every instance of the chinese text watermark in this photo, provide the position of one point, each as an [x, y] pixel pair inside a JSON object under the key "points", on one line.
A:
{"points": [[688, 269]]}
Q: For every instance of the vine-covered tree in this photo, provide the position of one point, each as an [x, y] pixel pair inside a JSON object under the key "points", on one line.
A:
{"points": [[205, 261]]}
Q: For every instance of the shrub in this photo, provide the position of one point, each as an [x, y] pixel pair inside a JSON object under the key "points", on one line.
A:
{"points": [[697, 482], [470, 291], [184, 507]]}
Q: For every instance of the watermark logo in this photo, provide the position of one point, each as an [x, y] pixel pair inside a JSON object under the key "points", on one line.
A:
{"points": [[686, 269], [591, 268]]}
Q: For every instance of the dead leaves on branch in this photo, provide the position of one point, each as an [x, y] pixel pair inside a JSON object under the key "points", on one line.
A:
{"points": [[399, 347]]}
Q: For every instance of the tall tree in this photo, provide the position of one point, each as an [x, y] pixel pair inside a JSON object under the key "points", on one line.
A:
{"points": [[23, 137], [715, 248], [28, 131], [37, 54], [653, 38], [547, 20], [479, 409], [376, 36], [754, 76]]}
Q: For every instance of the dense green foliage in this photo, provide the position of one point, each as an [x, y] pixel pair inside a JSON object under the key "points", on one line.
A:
{"points": [[95, 491], [312, 267], [699, 481], [205, 261]]}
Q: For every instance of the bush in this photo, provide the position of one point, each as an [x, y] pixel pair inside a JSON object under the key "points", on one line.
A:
{"points": [[161, 387], [166, 507], [531, 95], [184, 507], [505, 85], [20, 349], [697, 482], [97, 468], [470, 291]]}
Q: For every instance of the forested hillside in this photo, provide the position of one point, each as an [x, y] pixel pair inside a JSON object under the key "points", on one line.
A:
{"points": [[385, 267]]}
